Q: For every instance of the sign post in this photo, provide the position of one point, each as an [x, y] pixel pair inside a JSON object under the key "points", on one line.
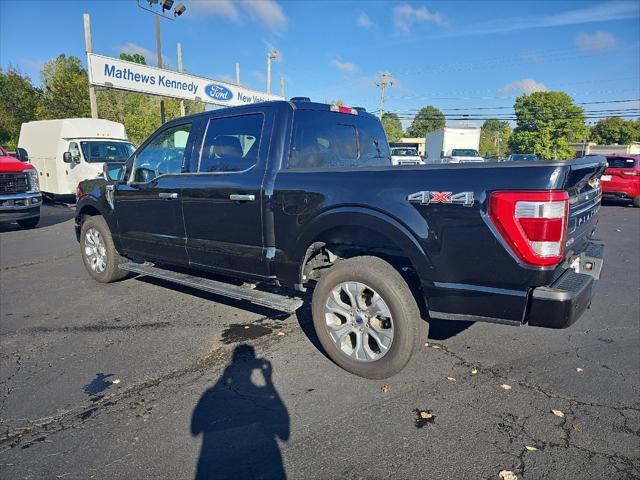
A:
{"points": [[122, 75], [87, 42]]}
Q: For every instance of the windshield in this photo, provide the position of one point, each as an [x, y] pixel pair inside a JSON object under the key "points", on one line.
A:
{"points": [[464, 152], [523, 157], [99, 151], [404, 152]]}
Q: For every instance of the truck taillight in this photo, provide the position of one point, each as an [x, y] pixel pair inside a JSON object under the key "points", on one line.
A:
{"points": [[533, 223], [341, 109]]}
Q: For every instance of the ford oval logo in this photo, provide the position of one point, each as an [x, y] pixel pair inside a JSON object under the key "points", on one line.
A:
{"points": [[218, 92]]}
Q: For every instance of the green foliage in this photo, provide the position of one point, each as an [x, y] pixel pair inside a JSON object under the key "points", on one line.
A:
{"points": [[65, 89], [133, 57], [429, 119], [494, 138], [392, 126], [616, 130], [546, 122], [18, 104]]}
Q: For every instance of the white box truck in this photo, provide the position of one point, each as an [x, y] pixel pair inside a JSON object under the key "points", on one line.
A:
{"points": [[453, 145], [70, 150]]}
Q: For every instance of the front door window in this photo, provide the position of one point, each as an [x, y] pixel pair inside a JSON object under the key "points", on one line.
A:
{"points": [[163, 155]]}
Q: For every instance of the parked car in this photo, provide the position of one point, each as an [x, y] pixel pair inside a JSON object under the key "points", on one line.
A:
{"points": [[622, 178], [67, 151], [20, 197], [299, 196], [405, 156], [522, 157]]}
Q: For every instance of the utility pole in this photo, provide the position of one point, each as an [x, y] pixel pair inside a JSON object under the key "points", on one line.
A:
{"points": [[87, 41], [272, 55], [237, 74], [183, 112], [159, 48], [386, 80], [282, 85]]}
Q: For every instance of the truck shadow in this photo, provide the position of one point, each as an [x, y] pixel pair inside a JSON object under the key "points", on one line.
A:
{"points": [[241, 418]]}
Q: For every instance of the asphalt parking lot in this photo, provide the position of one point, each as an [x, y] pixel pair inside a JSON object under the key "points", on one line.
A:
{"points": [[139, 379]]}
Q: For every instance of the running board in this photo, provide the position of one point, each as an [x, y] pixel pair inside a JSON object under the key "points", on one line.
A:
{"points": [[266, 299]]}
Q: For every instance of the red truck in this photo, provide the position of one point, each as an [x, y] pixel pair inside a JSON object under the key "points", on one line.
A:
{"points": [[20, 197], [622, 178]]}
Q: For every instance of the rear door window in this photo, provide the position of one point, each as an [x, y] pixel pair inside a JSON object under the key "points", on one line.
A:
{"points": [[231, 144], [323, 139]]}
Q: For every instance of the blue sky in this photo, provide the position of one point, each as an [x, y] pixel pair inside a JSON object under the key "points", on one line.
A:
{"points": [[454, 55]]}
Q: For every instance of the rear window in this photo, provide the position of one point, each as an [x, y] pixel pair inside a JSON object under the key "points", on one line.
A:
{"points": [[324, 139], [619, 162]]}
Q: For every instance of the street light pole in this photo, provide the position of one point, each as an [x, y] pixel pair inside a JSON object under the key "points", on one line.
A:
{"points": [[272, 55], [159, 48]]}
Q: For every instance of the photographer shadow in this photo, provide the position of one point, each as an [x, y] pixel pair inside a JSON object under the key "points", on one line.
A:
{"points": [[240, 419]]}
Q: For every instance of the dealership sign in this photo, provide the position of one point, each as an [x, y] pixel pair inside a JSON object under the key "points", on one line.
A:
{"points": [[123, 75]]}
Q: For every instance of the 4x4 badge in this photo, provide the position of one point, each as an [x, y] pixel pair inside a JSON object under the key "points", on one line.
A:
{"points": [[427, 197]]}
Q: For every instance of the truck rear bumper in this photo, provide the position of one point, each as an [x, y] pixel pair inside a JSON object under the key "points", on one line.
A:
{"points": [[563, 302], [19, 206]]}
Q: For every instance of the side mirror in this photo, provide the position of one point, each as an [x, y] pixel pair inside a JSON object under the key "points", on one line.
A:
{"points": [[66, 157], [21, 154], [113, 172]]}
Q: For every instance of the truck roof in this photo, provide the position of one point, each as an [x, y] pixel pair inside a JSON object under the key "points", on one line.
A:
{"points": [[77, 128]]}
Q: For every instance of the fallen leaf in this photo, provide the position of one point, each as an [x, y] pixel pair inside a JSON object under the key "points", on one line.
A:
{"points": [[504, 386], [116, 381], [423, 417], [385, 389], [576, 425], [558, 413], [579, 370], [281, 334], [474, 371], [451, 379], [246, 326], [437, 347], [507, 475], [530, 448], [426, 344]]}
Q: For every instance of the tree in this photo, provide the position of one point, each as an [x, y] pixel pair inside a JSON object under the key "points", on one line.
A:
{"points": [[546, 121], [65, 89], [133, 57], [616, 130], [392, 126], [494, 138], [18, 104], [429, 119]]}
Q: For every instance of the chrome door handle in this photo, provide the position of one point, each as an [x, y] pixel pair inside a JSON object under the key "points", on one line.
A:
{"points": [[242, 197], [168, 195]]}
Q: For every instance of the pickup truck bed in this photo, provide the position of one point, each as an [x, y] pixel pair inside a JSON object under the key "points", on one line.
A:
{"points": [[301, 195]]}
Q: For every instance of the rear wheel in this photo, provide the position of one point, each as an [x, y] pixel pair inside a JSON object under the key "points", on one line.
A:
{"points": [[636, 201], [366, 317], [99, 255], [28, 222]]}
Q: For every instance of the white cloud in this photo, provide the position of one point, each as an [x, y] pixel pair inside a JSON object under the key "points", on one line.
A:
{"points": [[346, 67], [405, 16], [364, 21], [601, 12], [526, 86], [596, 43], [260, 76], [269, 13]]}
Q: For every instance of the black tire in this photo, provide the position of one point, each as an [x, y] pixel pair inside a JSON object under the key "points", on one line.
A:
{"points": [[408, 327], [111, 272], [636, 201], [28, 223]]}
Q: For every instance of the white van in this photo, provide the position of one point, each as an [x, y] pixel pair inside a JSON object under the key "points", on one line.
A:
{"points": [[70, 150], [454, 145]]}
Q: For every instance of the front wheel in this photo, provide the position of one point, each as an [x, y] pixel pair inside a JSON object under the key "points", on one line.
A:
{"points": [[366, 317], [99, 255], [636, 201], [28, 223]]}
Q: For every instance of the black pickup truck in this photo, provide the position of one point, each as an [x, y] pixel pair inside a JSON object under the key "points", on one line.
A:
{"points": [[290, 197]]}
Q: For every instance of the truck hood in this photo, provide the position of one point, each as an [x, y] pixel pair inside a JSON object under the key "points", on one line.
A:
{"points": [[10, 164]]}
